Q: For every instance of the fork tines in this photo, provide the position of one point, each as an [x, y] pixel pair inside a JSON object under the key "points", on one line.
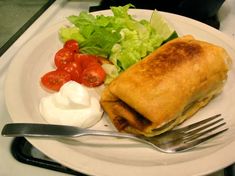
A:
{"points": [[203, 130]]}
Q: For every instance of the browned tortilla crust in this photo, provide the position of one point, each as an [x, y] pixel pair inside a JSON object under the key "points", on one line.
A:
{"points": [[158, 89]]}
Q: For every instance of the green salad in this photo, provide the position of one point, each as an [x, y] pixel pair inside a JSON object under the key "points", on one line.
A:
{"points": [[120, 38]]}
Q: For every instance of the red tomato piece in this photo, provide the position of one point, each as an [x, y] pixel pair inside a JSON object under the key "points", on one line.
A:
{"points": [[93, 76], [74, 70], [53, 80], [72, 45], [62, 57], [86, 59]]}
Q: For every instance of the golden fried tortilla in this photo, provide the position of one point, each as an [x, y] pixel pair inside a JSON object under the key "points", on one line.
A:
{"points": [[166, 87]]}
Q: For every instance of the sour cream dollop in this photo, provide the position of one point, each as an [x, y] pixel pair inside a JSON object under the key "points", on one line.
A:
{"points": [[73, 105]]}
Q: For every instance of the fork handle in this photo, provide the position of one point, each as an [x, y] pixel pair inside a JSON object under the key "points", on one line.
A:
{"points": [[56, 131], [36, 130]]}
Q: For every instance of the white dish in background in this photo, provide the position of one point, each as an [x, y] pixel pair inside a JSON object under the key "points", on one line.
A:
{"points": [[110, 156]]}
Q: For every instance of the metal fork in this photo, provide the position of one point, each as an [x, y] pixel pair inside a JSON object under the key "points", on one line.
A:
{"points": [[173, 141]]}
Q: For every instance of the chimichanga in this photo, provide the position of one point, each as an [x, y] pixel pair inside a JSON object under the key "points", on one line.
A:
{"points": [[166, 87]]}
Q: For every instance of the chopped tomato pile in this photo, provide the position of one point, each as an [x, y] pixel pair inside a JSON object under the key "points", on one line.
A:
{"points": [[85, 69]]}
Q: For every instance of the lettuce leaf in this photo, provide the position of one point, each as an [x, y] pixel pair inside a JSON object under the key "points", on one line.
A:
{"points": [[121, 38]]}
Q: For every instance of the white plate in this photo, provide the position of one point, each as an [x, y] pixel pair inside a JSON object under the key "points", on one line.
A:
{"points": [[109, 156]]}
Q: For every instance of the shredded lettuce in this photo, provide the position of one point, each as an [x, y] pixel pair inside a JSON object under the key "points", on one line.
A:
{"points": [[71, 33], [120, 38], [111, 72]]}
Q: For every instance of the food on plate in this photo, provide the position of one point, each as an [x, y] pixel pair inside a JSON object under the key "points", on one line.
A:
{"points": [[54, 80], [96, 50], [117, 42], [71, 65], [73, 105], [167, 87], [72, 45], [120, 38]]}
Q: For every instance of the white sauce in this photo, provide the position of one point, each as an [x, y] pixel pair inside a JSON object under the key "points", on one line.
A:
{"points": [[72, 105]]}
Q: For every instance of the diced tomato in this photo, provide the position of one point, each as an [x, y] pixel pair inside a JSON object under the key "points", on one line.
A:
{"points": [[71, 65], [53, 80], [93, 75], [62, 57], [74, 70], [86, 59], [72, 45]]}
